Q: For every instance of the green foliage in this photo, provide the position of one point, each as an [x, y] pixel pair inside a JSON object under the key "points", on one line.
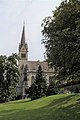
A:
{"points": [[39, 87], [56, 107], [52, 89], [8, 77], [62, 40], [2, 80]]}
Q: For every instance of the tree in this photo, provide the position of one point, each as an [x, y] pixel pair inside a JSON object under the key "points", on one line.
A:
{"points": [[2, 71], [52, 88], [62, 40], [39, 87], [8, 77]]}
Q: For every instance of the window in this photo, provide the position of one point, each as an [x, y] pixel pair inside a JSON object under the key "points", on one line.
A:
{"points": [[26, 66], [32, 80], [22, 66], [33, 68], [23, 55], [50, 79]]}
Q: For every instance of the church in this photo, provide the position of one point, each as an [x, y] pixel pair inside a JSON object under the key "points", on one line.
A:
{"points": [[27, 69]]}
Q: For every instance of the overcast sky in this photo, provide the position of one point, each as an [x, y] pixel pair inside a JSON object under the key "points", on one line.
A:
{"points": [[13, 13]]}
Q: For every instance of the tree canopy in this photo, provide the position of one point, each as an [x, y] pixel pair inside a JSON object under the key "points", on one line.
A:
{"points": [[61, 33], [39, 87], [8, 77]]}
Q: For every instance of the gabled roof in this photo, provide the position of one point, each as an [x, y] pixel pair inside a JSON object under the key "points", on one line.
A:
{"points": [[33, 66]]}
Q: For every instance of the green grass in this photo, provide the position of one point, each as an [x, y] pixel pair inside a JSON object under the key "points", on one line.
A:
{"points": [[57, 107]]}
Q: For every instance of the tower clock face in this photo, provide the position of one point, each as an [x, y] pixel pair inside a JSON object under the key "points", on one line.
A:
{"points": [[23, 55]]}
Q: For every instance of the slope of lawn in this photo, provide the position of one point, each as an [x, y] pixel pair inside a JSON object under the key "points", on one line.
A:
{"points": [[56, 107]]}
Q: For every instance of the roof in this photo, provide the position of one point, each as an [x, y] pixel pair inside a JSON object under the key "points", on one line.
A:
{"points": [[23, 41], [33, 66], [23, 36]]}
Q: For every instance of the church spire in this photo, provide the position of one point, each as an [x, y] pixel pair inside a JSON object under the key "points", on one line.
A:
{"points": [[23, 47], [23, 36]]}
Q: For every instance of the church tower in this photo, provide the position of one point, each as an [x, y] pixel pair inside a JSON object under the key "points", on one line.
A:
{"points": [[27, 69], [23, 58], [23, 47]]}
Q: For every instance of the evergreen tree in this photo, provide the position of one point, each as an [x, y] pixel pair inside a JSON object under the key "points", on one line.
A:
{"points": [[62, 40], [39, 87], [52, 88]]}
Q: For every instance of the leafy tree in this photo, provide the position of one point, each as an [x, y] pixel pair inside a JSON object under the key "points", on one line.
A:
{"points": [[2, 80], [52, 90], [39, 87], [8, 77], [62, 40]]}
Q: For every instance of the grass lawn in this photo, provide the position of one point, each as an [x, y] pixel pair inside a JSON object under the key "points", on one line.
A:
{"points": [[57, 107]]}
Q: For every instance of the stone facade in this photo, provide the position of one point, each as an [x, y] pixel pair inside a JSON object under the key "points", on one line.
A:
{"points": [[28, 68]]}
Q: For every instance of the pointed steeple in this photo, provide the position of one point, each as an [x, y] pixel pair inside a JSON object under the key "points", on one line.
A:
{"points": [[23, 36], [23, 47], [23, 40]]}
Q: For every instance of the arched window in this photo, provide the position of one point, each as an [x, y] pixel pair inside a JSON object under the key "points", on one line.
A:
{"points": [[26, 66], [25, 72], [32, 80], [50, 79], [22, 66]]}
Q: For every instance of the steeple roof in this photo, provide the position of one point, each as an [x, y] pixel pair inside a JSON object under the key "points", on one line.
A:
{"points": [[23, 36], [23, 41]]}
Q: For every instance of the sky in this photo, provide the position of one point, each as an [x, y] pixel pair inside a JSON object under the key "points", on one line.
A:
{"points": [[13, 13]]}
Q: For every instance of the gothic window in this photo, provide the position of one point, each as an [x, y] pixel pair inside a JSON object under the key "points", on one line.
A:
{"points": [[50, 79], [22, 66], [33, 68], [26, 66], [25, 72], [23, 55], [32, 80]]}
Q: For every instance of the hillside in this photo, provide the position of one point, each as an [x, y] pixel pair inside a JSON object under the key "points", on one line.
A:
{"points": [[57, 107]]}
